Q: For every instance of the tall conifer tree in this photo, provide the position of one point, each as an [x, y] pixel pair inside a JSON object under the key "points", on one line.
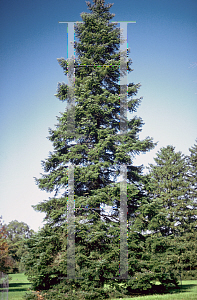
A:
{"points": [[192, 162], [97, 151], [168, 214], [187, 260], [170, 185]]}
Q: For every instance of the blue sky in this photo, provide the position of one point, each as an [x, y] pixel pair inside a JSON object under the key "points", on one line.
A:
{"points": [[163, 49]]}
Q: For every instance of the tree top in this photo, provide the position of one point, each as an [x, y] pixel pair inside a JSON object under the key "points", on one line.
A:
{"points": [[98, 6]]}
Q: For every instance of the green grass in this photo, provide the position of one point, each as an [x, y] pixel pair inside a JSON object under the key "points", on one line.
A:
{"points": [[18, 286], [187, 292]]}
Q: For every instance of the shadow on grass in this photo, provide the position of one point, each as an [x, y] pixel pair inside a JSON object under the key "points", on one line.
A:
{"points": [[158, 289], [18, 287], [183, 288]]}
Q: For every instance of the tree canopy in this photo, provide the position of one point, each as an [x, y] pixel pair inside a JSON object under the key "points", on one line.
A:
{"points": [[16, 234], [5, 259]]}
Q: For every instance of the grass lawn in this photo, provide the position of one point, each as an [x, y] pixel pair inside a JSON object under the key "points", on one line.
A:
{"points": [[187, 292], [18, 286]]}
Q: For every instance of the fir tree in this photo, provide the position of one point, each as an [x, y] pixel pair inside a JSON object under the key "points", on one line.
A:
{"points": [[192, 162], [169, 193], [187, 260], [167, 216], [97, 151]]}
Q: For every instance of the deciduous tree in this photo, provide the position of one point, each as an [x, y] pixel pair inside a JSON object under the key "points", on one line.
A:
{"points": [[5, 259], [17, 232]]}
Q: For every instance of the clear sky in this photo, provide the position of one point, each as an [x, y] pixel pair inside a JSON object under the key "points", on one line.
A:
{"points": [[163, 47]]}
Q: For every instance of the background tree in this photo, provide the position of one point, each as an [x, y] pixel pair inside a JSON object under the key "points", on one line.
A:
{"points": [[16, 234], [169, 186], [97, 152], [167, 215], [187, 254], [5, 259], [192, 175]]}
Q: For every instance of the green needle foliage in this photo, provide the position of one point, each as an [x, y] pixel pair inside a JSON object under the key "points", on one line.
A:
{"points": [[192, 162], [170, 186], [187, 260], [97, 151], [168, 216]]}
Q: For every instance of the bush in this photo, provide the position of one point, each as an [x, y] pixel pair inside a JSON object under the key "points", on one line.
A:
{"points": [[189, 275], [140, 282], [60, 293]]}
